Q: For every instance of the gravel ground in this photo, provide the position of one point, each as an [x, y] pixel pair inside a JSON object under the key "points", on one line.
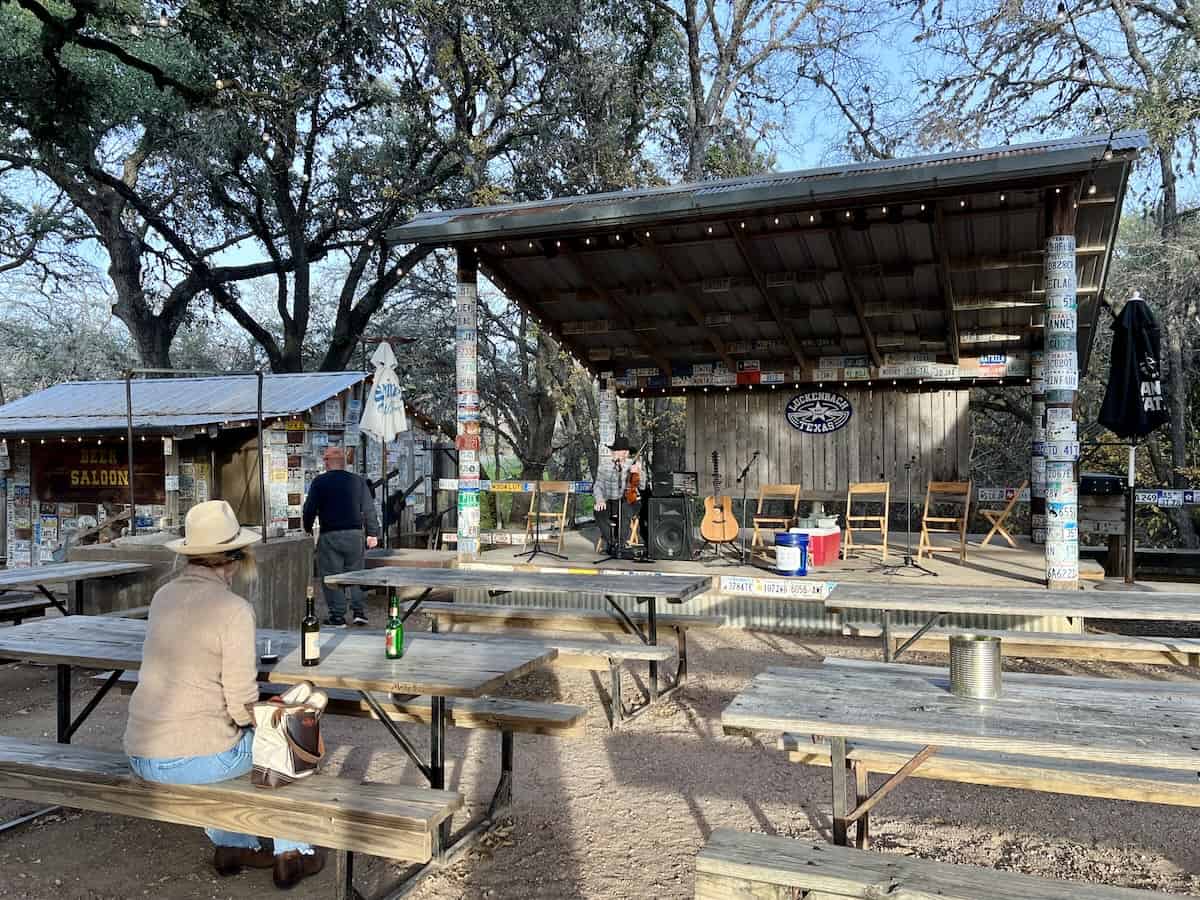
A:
{"points": [[611, 815]]}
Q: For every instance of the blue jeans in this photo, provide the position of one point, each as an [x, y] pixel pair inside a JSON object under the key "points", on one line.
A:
{"points": [[233, 763]]}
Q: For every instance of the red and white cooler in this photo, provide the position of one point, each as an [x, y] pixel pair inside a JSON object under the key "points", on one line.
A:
{"points": [[824, 545]]}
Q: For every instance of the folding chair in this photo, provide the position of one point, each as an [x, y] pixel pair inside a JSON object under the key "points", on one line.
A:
{"points": [[557, 517], [945, 493], [774, 493], [997, 517], [866, 492]]}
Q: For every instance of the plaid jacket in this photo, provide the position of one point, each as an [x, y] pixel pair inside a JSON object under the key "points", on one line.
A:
{"points": [[610, 481]]}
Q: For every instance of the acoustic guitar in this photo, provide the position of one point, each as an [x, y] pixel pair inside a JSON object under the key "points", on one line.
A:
{"points": [[718, 525]]}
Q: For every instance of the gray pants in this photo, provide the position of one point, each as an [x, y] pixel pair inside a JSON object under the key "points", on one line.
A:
{"points": [[338, 552]]}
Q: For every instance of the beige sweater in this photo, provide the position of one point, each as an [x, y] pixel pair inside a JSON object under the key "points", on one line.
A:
{"points": [[199, 670]]}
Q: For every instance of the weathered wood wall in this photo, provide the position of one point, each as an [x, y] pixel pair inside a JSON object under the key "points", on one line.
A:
{"points": [[886, 428]]}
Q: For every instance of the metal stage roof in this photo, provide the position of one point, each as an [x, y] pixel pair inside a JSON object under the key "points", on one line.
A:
{"points": [[921, 268]]}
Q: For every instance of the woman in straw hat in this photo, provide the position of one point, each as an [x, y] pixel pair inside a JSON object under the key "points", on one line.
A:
{"points": [[188, 717]]}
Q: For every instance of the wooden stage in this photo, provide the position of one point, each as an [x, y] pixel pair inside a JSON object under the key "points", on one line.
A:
{"points": [[996, 565]]}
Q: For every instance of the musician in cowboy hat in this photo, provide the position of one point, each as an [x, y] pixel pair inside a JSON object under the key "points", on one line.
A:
{"points": [[189, 721], [608, 491]]}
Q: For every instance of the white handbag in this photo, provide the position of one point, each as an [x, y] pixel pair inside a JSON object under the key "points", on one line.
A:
{"points": [[287, 736]]}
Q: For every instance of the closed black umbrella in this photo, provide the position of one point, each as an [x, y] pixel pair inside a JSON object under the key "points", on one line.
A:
{"points": [[1134, 403]]}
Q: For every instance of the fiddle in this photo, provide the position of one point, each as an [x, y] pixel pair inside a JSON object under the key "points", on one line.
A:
{"points": [[635, 478]]}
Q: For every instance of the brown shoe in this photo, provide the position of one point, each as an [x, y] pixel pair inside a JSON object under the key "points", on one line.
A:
{"points": [[293, 867], [231, 860]]}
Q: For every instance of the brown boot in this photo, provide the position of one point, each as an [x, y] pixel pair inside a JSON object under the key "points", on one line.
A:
{"points": [[231, 860], [293, 867]]}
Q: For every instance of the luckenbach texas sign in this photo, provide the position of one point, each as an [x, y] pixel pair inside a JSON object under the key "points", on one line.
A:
{"points": [[91, 473], [817, 412]]}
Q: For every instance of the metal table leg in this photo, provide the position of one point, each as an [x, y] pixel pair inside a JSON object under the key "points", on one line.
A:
{"points": [[437, 764], [77, 599], [64, 704]]}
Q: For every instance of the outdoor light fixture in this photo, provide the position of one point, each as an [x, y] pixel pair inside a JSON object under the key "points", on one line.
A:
{"points": [[1108, 152], [1061, 15], [647, 234], [587, 241], [777, 220], [503, 247], [811, 218], [962, 204], [1001, 198], [883, 209], [710, 229], [743, 224], [531, 245], [1091, 186], [922, 207]]}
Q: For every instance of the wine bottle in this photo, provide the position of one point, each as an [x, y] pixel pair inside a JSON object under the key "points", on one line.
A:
{"points": [[395, 628], [310, 633]]}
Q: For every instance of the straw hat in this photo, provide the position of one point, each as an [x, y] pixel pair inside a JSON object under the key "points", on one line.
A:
{"points": [[212, 527]]}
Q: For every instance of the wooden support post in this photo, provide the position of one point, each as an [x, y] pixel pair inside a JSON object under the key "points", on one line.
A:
{"points": [[1062, 385], [465, 350], [1037, 458], [837, 761]]}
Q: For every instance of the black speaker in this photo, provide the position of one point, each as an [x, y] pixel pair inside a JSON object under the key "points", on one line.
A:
{"points": [[669, 534]]}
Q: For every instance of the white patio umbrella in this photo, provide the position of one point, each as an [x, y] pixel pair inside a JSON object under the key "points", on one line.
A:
{"points": [[383, 412]]}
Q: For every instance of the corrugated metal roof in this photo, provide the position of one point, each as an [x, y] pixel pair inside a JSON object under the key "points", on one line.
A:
{"points": [[778, 271], [629, 207], [167, 403]]}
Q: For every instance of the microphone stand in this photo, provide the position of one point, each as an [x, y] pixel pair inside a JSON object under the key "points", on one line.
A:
{"points": [[742, 529], [908, 562]]}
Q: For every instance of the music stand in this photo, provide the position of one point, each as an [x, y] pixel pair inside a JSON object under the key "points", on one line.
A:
{"points": [[536, 547]]}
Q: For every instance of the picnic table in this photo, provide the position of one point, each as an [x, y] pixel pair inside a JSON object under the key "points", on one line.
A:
{"points": [[430, 667], [1149, 725], [645, 588], [942, 601], [71, 573]]}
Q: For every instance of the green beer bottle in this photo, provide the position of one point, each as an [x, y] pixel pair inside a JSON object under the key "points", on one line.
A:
{"points": [[395, 628]]}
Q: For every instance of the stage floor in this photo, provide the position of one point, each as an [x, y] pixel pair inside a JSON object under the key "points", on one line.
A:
{"points": [[996, 565]]}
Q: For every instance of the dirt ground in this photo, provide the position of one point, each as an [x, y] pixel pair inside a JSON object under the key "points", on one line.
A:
{"points": [[609, 815]]}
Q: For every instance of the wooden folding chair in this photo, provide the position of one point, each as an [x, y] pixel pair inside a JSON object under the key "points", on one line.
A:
{"points": [[774, 493], [997, 518], [555, 516], [945, 492], [866, 492]]}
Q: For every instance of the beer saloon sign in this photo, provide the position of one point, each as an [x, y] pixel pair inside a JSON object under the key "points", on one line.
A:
{"points": [[90, 472]]}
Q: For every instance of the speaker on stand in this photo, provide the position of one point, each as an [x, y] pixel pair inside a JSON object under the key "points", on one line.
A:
{"points": [[669, 532]]}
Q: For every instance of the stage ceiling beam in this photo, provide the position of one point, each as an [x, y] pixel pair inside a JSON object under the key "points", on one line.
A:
{"points": [[843, 259], [765, 294], [937, 236], [689, 302]]}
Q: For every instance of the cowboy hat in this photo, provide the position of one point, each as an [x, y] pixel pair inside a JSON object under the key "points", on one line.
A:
{"points": [[212, 527], [621, 443]]}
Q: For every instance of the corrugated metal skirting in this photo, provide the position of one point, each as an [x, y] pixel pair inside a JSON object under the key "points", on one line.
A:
{"points": [[778, 616]]}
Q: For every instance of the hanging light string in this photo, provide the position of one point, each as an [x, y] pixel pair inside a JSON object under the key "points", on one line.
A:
{"points": [[1101, 114]]}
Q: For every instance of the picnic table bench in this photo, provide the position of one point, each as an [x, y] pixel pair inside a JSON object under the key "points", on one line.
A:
{"points": [[595, 655], [1128, 648], [735, 865], [1088, 736], [73, 574], [938, 602], [16, 608], [353, 662], [395, 821]]}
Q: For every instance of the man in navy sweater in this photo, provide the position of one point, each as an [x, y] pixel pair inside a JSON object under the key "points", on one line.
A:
{"points": [[342, 501]]}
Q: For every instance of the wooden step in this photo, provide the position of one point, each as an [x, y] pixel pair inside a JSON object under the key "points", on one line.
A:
{"points": [[737, 864], [491, 713], [1052, 645], [1054, 776], [395, 821], [534, 618]]}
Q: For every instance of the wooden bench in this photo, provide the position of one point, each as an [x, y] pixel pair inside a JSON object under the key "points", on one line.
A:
{"points": [[735, 865], [393, 821], [1166, 651], [1078, 778], [597, 655], [18, 608], [488, 713]]}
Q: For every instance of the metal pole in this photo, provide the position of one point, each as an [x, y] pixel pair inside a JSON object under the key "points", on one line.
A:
{"points": [[1130, 509], [384, 508], [262, 484], [129, 440]]}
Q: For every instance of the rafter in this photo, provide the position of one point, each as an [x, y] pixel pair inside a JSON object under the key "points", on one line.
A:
{"points": [[843, 261], [937, 237], [690, 304], [765, 294], [584, 274]]}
